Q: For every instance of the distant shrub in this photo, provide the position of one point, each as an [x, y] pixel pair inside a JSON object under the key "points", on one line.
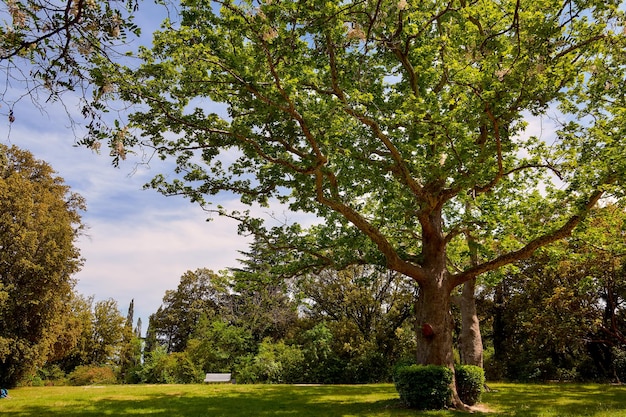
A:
{"points": [[182, 369], [174, 368], [424, 387], [368, 368], [276, 363], [89, 375], [48, 376], [469, 383]]}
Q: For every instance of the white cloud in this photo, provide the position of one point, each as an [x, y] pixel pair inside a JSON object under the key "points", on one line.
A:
{"points": [[138, 242], [146, 254]]}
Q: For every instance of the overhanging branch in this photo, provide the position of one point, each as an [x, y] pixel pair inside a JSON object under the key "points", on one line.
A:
{"points": [[527, 251]]}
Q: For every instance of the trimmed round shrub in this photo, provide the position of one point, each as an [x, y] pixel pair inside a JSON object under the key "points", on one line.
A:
{"points": [[470, 381], [424, 387]]}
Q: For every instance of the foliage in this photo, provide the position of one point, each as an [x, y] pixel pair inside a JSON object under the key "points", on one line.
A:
{"points": [[81, 320], [108, 330], [173, 368], [365, 310], [155, 368], [215, 346], [266, 303], [402, 125], [183, 370], [92, 375], [275, 363], [100, 334], [129, 360], [39, 224], [323, 364], [49, 47], [424, 387], [368, 367], [470, 381], [201, 292], [560, 316], [48, 375]]}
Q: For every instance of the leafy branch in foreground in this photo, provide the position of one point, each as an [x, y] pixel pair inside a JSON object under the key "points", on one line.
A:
{"points": [[49, 47]]}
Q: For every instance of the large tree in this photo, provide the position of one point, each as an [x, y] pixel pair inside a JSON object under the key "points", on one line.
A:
{"points": [[401, 124], [39, 224]]}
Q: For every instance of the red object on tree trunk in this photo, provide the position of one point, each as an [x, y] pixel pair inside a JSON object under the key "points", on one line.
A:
{"points": [[427, 330]]}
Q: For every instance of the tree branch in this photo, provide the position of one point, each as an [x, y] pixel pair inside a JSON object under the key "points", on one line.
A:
{"points": [[533, 245]]}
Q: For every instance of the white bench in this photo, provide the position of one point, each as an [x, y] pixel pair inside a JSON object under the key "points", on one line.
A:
{"points": [[218, 378]]}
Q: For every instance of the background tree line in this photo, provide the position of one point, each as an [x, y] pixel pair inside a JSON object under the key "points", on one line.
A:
{"points": [[558, 315]]}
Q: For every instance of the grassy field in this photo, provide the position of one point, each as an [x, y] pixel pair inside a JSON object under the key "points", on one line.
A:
{"points": [[518, 400]]}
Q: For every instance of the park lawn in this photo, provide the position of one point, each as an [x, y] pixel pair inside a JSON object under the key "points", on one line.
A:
{"points": [[517, 400]]}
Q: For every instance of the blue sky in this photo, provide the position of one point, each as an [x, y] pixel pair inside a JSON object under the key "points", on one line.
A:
{"points": [[138, 243]]}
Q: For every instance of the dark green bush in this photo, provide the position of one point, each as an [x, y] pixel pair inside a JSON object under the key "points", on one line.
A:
{"points": [[49, 375], [469, 383], [424, 387]]}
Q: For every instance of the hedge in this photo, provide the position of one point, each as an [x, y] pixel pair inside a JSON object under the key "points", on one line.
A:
{"points": [[424, 387]]}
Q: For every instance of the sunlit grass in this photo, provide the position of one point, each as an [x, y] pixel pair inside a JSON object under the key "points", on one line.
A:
{"points": [[380, 400], [558, 400]]}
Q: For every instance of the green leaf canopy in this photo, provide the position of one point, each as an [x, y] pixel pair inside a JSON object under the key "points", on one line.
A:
{"points": [[402, 121]]}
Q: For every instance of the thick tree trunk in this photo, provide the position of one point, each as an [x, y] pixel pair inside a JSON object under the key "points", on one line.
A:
{"points": [[434, 323], [470, 341], [434, 326]]}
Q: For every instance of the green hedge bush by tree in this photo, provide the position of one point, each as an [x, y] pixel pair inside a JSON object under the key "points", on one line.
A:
{"points": [[425, 387], [469, 383]]}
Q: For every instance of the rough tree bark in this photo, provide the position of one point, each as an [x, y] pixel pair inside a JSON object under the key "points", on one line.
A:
{"points": [[434, 325], [434, 322], [470, 340]]}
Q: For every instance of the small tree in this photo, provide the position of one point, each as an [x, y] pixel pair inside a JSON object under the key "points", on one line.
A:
{"points": [[199, 293], [129, 360]]}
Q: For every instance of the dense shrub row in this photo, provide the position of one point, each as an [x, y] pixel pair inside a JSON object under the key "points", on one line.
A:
{"points": [[316, 358]]}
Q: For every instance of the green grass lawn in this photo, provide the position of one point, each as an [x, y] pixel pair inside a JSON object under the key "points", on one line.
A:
{"points": [[519, 400]]}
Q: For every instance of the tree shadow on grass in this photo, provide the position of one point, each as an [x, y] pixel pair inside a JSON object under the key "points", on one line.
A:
{"points": [[558, 400], [266, 401]]}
